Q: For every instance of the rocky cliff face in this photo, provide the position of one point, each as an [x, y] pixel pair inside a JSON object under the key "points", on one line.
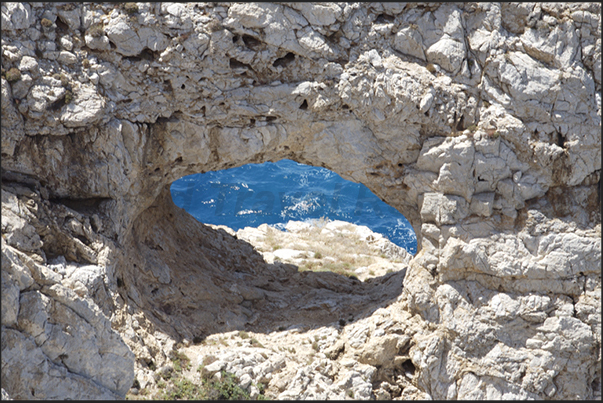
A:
{"points": [[479, 122]]}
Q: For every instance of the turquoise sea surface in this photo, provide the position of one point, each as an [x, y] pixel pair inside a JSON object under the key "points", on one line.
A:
{"points": [[275, 193]]}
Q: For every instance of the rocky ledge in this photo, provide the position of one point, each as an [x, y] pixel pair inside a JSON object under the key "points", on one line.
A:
{"points": [[479, 122]]}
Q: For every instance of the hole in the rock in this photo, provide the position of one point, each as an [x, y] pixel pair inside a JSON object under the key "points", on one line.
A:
{"points": [[132, 59], [408, 367], [560, 140], [285, 60], [148, 54], [460, 126], [596, 385], [220, 282], [56, 105], [250, 41], [275, 193], [61, 25], [304, 105], [384, 19], [235, 64]]}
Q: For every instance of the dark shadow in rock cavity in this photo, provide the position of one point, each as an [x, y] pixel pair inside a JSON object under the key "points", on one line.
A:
{"points": [[191, 280]]}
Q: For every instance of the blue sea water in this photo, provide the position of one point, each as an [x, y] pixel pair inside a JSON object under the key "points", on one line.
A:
{"points": [[274, 193]]}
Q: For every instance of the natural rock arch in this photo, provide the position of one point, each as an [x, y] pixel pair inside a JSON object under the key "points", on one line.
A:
{"points": [[461, 116]]}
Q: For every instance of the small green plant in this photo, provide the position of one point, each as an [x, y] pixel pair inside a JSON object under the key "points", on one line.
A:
{"points": [[86, 63], [317, 255], [472, 128], [167, 374], [226, 388], [261, 388], [275, 247], [13, 75], [96, 30], [372, 272], [46, 23], [256, 343], [131, 8], [350, 393], [431, 68], [68, 97], [389, 271], [243, 334], [183, 389], [181, 361], [161, 385], [315, 346]]}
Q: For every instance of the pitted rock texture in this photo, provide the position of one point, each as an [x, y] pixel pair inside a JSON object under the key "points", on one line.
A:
{"points": [[480, 122]]}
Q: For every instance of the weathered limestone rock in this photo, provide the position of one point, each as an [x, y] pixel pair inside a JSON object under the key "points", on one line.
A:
{"points": [[480, 122]]}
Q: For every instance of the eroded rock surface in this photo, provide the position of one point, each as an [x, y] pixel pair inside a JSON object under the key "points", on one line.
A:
{"points": [[480, 122]]}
